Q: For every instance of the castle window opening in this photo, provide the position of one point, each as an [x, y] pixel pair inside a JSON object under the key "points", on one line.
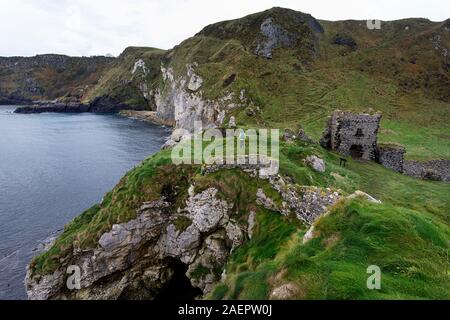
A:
{"points": [[359, 133]]}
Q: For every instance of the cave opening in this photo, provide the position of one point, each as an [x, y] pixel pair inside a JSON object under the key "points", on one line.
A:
{"points": [[179, 287]]}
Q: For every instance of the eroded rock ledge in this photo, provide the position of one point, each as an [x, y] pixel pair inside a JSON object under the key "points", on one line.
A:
{"points": [[135, 259], [139, 259]]}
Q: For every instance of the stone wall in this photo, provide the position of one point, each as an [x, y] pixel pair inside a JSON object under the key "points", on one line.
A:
{"points": [[432, 170], [391, 156], [355, 134], [352, 134]]}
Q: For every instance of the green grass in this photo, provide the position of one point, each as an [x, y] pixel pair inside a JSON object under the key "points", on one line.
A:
{"points": [[410, 249], [182, 223], [119, 83], [406, 236]]}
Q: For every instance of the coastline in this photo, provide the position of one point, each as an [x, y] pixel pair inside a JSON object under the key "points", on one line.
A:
{"points": [[147, 116]]}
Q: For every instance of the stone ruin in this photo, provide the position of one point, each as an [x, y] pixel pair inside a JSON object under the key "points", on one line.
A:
{"points": [[391, 156], [355, 134], [352, 134]]}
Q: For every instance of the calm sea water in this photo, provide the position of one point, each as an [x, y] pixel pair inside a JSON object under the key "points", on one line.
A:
{"points": [[53, 167]]}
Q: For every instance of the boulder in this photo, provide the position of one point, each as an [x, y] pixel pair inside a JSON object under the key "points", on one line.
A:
{"points": [[284, 292], [316, 163], [363, 195]]}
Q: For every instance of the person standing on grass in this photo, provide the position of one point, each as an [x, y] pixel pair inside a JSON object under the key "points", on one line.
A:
{"points": [[242, 138]]}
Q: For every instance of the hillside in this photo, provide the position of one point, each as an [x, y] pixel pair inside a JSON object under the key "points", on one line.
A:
{"points": [[298, 74], [48, 77], [229, 232], [130, 78]]}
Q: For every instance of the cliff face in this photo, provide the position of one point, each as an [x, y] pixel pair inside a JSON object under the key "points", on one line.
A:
{"points": [[137, 258], [181, 101], [47, 77]]}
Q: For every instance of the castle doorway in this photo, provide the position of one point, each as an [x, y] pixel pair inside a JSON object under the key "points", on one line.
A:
{"points": [[356, 151]]}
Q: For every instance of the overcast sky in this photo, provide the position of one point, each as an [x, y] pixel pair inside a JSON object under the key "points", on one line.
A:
{"points": [[99, 27]]}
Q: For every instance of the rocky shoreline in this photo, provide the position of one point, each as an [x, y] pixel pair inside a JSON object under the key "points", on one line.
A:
{"points": [[103, 104], [147, 116], [71, 107]]}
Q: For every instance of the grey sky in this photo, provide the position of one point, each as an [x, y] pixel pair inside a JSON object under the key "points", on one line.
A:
{"points": [[90, 27]]}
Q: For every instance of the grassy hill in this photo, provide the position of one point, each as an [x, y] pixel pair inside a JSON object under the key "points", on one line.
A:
{"points": [[403, 73], [47, 77], [401, 69], [317, 67], [122, 84]]}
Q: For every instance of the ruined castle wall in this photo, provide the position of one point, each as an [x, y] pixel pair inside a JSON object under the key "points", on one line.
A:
{"points": [[352, 133], [391, 157], [433, 170]]}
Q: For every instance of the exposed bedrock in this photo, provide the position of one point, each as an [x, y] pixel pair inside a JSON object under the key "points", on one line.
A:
{"points": [[181, 102], [102, 104], [54, 107], [165, 251], [137, 258]]}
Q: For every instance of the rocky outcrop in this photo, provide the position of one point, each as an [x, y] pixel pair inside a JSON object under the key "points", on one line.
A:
{"points": [[14, 100], [358, 194], [344, 40], [362, 195], [102, 104], [316, 163], [306, 202], [273, 37], [72, 107], [107, 104], [135, 259], [181, 101], [265, 32]]}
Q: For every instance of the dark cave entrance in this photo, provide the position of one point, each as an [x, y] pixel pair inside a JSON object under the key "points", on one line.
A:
{"points": [[356, 151], [179, 287]]}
